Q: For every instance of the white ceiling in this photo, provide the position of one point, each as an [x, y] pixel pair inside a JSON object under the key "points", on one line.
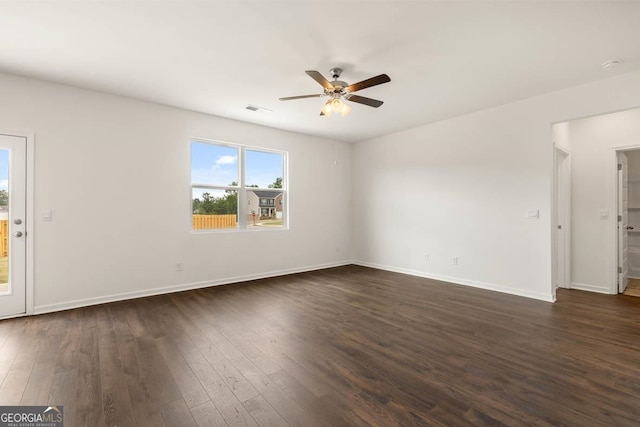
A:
{"points": [[444, 58]]}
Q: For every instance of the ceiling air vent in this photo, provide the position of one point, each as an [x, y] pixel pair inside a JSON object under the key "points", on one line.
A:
{"points": [[256, 108]]}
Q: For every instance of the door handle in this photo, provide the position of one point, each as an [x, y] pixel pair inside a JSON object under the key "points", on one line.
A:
{"points": [[17, 233], [629, 227]]}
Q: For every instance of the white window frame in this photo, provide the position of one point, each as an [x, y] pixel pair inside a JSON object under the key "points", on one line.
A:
{"points": [[243, 207]]}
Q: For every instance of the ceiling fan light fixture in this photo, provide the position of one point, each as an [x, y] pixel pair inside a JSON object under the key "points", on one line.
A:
{"points": [[336, 105], [345, 109], [326, 109]]}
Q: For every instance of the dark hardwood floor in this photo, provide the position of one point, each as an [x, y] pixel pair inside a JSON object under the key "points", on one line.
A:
{"points": [[348, 346]]}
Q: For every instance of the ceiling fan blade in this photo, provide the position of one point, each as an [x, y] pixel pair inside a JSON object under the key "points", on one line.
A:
{"points": [[320, 79], [364, 100], [289, 98], [373, 81]]}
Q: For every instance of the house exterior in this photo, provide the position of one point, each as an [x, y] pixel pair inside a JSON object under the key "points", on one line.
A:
{"points": [[279, 206], [264, 204]]}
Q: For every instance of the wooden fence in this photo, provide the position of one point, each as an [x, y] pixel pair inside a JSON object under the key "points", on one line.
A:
{"points": [[4, 240], [207, 222], [200, 222]]}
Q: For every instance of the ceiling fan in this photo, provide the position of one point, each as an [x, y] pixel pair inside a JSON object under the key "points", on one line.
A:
{"points": [[338, 91]]}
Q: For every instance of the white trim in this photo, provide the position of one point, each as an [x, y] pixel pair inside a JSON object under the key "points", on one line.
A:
{"points": [[178, 288], [613, 207], [30, 267], [243, 208], [564, 168], [459, 281], [241, 188], [236, 145], [563, 150], [590, 288], [30, 219]]}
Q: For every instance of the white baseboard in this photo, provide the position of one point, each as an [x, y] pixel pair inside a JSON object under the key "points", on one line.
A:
{"points": [[41, 309], [459, 281], [590, 288], [238, 279]]}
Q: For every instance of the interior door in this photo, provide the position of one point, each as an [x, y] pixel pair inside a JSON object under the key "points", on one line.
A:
{"points": [[561, 193], [13, 161], [623, 222]]}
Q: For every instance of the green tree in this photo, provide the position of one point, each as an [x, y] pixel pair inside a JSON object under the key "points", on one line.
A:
{"points": [[228, 204], [195, 206], [211, 205], [4, 198], [207, 204], [276, 184]]}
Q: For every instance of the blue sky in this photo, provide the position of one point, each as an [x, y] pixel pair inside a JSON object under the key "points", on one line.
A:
{"points": [[218, 165]]}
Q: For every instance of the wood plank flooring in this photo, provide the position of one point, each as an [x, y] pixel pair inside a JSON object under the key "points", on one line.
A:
{"points": [[633, 288], [348, 346]]}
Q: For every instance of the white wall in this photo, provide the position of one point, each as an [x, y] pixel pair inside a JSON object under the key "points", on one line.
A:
{"points": [[463, 187], [593, 243], [115, 171]]}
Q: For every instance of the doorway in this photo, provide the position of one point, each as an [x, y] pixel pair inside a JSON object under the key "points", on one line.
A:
{"points": [[597, 243], [562, 186], [623, 221], [628, 229], [13, 209]]}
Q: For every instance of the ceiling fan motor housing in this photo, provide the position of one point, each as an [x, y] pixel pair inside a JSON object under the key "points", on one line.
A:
{"points": [[338, 85], [335, 72]]}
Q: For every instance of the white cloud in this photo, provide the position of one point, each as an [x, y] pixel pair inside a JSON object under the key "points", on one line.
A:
{"points": [[225, 160], [4, 184]]}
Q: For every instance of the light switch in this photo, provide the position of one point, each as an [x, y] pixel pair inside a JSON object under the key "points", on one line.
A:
{"points": [[533, 214], [47, 215], [604, 214]]}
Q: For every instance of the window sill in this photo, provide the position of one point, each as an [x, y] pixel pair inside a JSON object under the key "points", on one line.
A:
{"points": [[239, 230]]}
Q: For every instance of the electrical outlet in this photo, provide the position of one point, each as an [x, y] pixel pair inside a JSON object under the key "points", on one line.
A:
{"points": [[178, 266], [426, 257], [455, 260]]}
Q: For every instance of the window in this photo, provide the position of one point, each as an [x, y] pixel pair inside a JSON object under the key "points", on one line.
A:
{"points": [[237, 187]]}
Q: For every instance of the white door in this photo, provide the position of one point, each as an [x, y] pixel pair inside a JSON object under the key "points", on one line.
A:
{"points": [[562, 188], [13, 161], [623, 222]]}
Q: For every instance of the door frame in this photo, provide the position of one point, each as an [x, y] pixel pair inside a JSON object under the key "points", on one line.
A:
{"points": [[30, 219], [613, 207], [622, 220], [562, 206]]}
